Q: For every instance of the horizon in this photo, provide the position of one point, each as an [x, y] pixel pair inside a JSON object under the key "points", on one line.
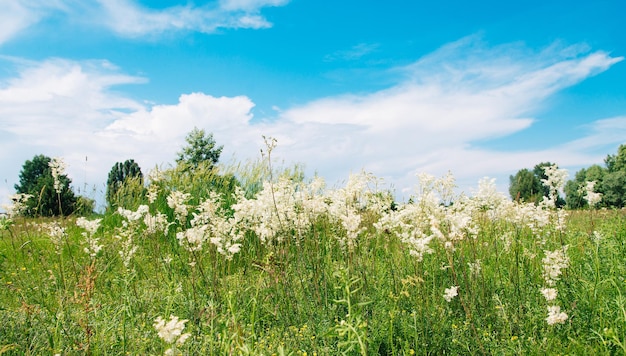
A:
{"points": [[479, 90]]}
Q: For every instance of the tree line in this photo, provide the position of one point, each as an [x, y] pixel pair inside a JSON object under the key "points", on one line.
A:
{"points": [[610, 182], [49, 192]]}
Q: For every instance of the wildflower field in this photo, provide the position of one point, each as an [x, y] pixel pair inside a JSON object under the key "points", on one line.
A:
{"points": [[288, 266]]}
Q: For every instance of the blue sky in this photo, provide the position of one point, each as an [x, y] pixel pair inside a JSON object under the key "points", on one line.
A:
{"points": [[395, 88]]}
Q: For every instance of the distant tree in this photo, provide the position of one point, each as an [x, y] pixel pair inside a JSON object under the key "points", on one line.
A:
{"points": [[574, 196], [616, 163], [36, 179], [527, 185], [201, 148], [613, 189], [610, 182], [123, 175]]}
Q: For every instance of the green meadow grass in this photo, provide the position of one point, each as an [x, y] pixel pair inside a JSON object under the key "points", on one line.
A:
{"points": [[306, 293]]}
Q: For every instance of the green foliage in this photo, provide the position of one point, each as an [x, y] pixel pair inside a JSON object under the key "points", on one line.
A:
{"points": [[613, 189], [36, 179], [199, 182], [527, 186], [617, 162], [611, 182], [125, 183], [200, 148], [84, 206], [310, 296], [574, 195]]}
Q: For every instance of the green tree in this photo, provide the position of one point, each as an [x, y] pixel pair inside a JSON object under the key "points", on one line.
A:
{"points": [[616, 163], [200, 148], [527, 185], [574, 197], [36, 179], [124, 185], [610, 182]]}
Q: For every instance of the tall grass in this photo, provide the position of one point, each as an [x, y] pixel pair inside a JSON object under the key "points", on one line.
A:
{"points": [[286, 266]]}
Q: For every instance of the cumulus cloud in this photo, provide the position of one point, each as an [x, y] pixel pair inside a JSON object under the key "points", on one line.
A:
{"points": [[434, 120]]}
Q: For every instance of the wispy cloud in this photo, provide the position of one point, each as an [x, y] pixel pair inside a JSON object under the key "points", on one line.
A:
{"points": [[128, 18], [430, 121], [353, 53], [17, 15]]}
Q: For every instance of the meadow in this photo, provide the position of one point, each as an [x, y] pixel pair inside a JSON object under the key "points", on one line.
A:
{"points": [[287, 266]]}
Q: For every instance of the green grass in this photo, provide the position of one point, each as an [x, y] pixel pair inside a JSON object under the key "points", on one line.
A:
{"points": [[307, 293]]}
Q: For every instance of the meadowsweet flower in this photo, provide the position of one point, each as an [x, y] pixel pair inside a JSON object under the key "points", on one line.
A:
{"points": [[156, 223], [93, 246], [591, 196], [549, 293], [133, 216], [171, 331], [192, 238], [18, 205], [57, 167], [450, 293], [555, 180], [90, 225], [128, 249], [56, 233], [553, 263], [555, 315], [177, 200]]}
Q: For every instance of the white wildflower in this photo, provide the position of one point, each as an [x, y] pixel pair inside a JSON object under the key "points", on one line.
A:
{"points": [[591, 196], [555, 315], [555, 180], [19, 204], [57, 167], [549, 293], [171, 332], [192, 238], [177, 200], [450, 293], [553, 263]]}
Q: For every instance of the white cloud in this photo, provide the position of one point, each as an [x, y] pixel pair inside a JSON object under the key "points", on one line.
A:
{"points": [[130, 19], [17, 15], [14, 17], [353, 53], [463, 93], [429, 122]]}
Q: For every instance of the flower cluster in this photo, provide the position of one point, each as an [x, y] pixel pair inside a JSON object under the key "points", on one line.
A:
{"points": [[591, 196], [57, 167], [92, 242], [18, 205], [171, 332], [553, 264], [57, 234], [450, 293]]}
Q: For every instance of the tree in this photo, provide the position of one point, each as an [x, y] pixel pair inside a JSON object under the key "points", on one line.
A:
{"points": [[616, 163], [200, 148], [527, 185], [36, 179], [574, 195], [610, 182], [122, 177]]}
